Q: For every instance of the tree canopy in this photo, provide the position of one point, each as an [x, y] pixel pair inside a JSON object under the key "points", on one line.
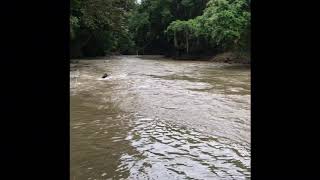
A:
{"points": [[173, 27]]}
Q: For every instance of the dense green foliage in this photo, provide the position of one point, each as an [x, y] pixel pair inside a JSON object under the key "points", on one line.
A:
{"points": [[152, 17], [225, 25], [98, 27], [174, 27]]}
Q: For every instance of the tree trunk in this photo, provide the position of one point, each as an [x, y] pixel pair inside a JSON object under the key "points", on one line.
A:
{"points": [[187, 41], [175, 39]]}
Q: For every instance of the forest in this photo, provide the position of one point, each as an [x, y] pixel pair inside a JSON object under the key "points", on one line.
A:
{"points": [[167, 27]]}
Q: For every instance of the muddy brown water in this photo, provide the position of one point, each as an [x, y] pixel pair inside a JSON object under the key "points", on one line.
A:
{"points": [[155, 118]]}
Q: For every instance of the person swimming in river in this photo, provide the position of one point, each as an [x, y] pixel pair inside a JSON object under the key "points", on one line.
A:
{"points": [[105, 75]]}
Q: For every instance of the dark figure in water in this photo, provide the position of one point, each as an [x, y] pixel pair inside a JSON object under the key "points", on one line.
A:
{"points": [[105, 75]]}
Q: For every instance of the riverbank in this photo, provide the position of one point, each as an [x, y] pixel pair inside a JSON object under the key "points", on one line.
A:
{"points": [[226, 57], [231, 57]]}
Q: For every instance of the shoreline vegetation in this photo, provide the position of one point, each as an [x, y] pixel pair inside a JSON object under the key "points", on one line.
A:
{"points": [[213, 30]]}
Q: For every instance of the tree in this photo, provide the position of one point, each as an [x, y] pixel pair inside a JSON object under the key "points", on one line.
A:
{"points": [[99, 26], [152, 17], [224, 23], [227, 22]]}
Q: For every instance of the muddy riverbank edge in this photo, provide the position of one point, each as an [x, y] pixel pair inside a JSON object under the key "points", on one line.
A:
{"points": [[231, 57], [227, 57]]}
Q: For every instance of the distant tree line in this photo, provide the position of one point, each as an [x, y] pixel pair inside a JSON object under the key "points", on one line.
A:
{"points": [[172, 27]]}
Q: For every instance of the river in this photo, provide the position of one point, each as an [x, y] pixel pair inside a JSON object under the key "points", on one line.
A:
{"points": [[157, 118]]}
